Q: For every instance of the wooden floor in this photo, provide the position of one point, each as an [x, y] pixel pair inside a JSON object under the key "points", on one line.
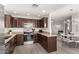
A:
{"points": [[38, 49]]}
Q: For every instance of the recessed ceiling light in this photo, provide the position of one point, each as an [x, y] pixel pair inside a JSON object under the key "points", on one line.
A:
{"points": [[39, 15], [28, 13], [44, 11], [14, 11], [71, 9]]}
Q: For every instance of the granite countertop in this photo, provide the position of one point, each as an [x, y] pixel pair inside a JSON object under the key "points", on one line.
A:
{"points": [[48, 35], [12, 36], [15, 33]]}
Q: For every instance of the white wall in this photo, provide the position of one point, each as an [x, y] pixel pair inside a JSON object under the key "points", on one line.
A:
{"points": [[75, 23], [1, 19], [56, 26], [65, 12]]}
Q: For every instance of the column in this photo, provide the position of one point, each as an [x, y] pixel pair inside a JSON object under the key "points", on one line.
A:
{"points": [[49, 24]]}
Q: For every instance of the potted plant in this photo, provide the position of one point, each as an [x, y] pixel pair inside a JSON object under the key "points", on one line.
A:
{"points": [[10, 31]]}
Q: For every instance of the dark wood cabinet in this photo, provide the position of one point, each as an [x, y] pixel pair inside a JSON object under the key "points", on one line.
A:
{"points": [[38, 24], [11, 22], [48, 43], [19, 23], [14, 25], [10, 46], [8, 21], [44, 22], [35, 38], [15, 41], [35, 23], [19, 39]]}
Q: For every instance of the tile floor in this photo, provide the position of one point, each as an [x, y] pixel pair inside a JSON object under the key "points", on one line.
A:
{"points": [[38, 49]]}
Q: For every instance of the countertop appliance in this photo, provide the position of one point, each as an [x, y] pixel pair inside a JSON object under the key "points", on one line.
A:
{"points": [[40, 30]]}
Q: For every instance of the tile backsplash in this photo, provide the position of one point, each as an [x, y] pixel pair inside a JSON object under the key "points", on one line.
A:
{"points": [[18, 29], [14, 29]]}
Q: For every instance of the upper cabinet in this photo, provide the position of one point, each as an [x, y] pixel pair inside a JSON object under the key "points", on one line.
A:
{"points": [[44, 22], [19, 22], [8, 21], [14, 22]]}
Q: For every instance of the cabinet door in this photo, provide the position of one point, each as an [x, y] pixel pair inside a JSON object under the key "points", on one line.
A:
{"points": [[45, 22], [20, 40], [19, 23], [35, 38], [12, 45], [42, 23], [14, 22], [35, 23], [38, 24], [8, 21]]}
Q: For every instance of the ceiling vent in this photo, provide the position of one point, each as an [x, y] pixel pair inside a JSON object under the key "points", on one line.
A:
{"points": [[35, 5]]}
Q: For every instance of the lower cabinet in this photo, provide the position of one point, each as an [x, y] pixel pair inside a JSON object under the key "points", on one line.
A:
{"points": [[15, 41], [19, 39], [10, 46], [48, 43], [35, 38]]}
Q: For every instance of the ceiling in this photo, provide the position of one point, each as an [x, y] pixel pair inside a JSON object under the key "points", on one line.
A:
{"points": [[65, 12], [27, 10]]}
